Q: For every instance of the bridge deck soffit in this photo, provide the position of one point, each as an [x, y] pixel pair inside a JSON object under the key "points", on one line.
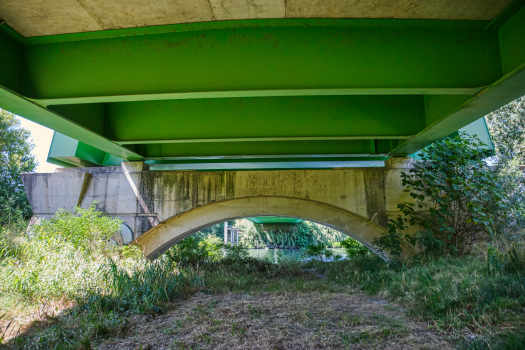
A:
{"points": [[43, 18]]}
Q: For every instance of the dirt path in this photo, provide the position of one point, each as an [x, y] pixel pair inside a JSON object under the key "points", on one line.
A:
{"points": [[278, 321]]}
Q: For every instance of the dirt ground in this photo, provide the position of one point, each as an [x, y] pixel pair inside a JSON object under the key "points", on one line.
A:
{"points": [[278, 321]]}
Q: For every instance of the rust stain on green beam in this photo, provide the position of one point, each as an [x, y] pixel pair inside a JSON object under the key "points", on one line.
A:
{"points": [[265, 139], [258, 93], [261, 58], [505, 90], [349, 117], [14, 103], [254, 23]]}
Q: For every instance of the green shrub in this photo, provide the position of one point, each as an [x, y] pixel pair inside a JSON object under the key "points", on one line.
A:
{"points": [[461, 193], [86, 229], [192, 251], [318, 252], [354, 248], [60, 256]]}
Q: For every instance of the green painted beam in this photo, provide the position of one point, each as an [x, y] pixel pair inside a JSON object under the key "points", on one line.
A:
{"points": [[258, 93], [264, 88], [13, 102], [276, 148], [262, 120], [243, 24], [500, 93], [510, 31], [267, 139], [224, 166], [275, 220], [313, 56], [68, 152]]}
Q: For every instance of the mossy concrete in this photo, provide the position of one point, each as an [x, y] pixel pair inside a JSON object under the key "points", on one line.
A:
{"points": [[167, 206]]}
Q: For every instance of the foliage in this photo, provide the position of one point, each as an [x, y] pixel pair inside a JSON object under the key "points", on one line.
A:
{"points": [[108, 285], [464, 296], [318, 252], [61, 256], [499, 262], [85, 229], [452, 295], [390, 242], [297, 236], [507, 129], [236, 252], [460, 194], [16, 158], [192, 252], [353, 248], [215, 230]]}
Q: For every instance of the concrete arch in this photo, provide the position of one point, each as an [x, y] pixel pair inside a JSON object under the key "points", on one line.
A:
{"points": [[161, 237]]}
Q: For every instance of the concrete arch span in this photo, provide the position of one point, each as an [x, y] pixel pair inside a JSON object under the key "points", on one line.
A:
{"points": [[161, 237]]}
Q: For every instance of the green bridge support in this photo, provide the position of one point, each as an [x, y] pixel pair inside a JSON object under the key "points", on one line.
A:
{"points": [[365, 88]]}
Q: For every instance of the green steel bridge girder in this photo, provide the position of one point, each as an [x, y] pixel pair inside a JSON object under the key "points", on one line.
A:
{"points": [[265, 87]]}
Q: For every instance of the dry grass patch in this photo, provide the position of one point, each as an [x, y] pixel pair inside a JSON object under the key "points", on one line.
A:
{"points": [[22, 316], [310, 320]]}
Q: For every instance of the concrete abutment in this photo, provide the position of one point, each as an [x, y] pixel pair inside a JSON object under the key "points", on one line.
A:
{"points": [[164, 207]]}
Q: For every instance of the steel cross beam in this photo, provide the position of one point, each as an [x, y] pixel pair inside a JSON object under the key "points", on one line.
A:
{"points": [[266, 87]]}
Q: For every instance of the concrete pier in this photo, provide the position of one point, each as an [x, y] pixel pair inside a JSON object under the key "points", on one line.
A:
{"points": [[163, 207]]}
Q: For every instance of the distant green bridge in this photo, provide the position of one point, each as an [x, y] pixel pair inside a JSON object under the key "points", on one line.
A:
{"points": [[256, 85]]}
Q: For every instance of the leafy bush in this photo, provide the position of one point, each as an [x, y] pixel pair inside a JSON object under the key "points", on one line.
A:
{"points": [[457, 197], [507, 130], [86, 229], [354, 248], [317, 252], [192, 251], [60, 256], [236, 252]]}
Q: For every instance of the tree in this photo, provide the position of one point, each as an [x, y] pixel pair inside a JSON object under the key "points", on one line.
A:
{"points": [[457, 195], [16, 158], [507, 129]]}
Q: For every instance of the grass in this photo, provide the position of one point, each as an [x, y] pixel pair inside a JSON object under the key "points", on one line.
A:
{"points": [[455, 296], [55, 295], [288, 319]]}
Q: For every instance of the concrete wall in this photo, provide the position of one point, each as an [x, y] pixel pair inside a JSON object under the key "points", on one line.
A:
{"points": [[143, 199]]}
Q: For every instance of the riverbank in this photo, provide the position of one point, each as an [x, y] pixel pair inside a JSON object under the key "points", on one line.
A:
{"points": [[295, 254], [246, 303], [84, 294]]}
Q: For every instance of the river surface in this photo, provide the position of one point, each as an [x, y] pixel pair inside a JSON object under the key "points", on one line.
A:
{"points": [[272, 254]]}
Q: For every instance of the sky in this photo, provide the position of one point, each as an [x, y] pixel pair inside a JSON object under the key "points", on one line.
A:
{"points": [[42, 137]]}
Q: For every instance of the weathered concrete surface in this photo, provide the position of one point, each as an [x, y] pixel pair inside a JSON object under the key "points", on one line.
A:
{"points": [[357, 201], [161, 237], [40, 17]]}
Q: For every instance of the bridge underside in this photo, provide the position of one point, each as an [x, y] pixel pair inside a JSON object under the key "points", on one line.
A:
{"points": [[250, 85], [288, 90]]}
